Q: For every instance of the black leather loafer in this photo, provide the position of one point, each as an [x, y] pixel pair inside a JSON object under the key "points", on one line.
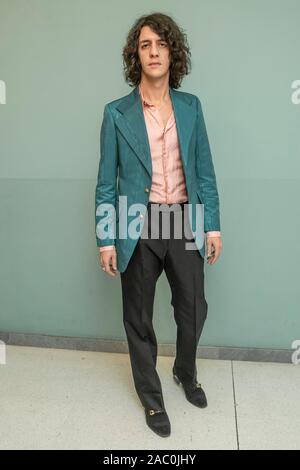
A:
{"points": [[194, 392], [159, 422]]}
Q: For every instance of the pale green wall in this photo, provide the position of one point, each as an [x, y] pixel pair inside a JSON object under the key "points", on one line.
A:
{"points": [[61, 62]]}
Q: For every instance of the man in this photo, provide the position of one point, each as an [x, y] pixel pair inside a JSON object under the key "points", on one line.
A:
{"points": [[155, 153]]}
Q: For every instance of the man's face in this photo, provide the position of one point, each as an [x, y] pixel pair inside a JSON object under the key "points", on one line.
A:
{"points": [[153, 49]]}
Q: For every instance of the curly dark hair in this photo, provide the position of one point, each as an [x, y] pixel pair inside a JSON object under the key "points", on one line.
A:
{"points": [[169, 31]]}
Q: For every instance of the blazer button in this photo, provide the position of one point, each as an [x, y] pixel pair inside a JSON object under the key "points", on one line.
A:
{"points": [[147, 190]]}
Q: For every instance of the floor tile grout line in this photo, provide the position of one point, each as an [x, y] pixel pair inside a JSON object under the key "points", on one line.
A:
{"points": [[235, 410]]}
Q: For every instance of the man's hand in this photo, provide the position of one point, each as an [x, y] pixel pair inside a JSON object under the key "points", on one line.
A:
{"points": [[214, 247], [108, 261]]}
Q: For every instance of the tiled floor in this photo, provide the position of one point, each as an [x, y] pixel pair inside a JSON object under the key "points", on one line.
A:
{"points": [[63, 399]]}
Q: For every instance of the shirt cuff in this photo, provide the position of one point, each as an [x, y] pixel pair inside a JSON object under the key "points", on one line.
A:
{"points": [[107, 247], [215, 233]]}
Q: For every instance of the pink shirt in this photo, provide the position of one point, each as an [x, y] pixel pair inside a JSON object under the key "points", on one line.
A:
{"points": [[168, 181]]}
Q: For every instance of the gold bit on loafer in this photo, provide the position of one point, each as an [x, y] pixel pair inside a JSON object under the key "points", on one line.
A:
{"points": [[152, 412]]}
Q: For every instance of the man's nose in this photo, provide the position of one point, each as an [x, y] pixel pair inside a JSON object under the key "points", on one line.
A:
{"points": [[154, 51]]}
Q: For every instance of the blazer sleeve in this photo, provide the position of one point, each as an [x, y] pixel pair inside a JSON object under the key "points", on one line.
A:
{"points": [[106, 188], [206, 177]]}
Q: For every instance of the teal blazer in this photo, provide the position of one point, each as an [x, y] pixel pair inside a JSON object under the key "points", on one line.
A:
{"points": [[125, 169]]}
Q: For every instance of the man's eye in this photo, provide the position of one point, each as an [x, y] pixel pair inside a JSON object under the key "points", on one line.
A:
{"points": [[162, 44]]}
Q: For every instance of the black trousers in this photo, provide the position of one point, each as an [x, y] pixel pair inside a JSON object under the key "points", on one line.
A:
{"points": [[185, 274]]}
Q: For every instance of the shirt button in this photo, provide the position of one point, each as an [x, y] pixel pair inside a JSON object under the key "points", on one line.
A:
{"points": [[147, 190], [141, 216]]}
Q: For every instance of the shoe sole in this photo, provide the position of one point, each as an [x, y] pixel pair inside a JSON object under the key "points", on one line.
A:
{"points": [[160, 435]]}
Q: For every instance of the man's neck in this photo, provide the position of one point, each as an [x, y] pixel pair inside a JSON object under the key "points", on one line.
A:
{"points": [[155, 93]]}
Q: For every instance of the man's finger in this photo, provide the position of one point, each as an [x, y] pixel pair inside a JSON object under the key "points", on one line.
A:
{"points": [[214, 246], [107, 264], [108, 268], [216, 255], [209, 246], [114, 261]]}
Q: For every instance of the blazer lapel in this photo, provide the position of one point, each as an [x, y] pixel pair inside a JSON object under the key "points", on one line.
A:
{"points": [[131, 123], [185, 117]]}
